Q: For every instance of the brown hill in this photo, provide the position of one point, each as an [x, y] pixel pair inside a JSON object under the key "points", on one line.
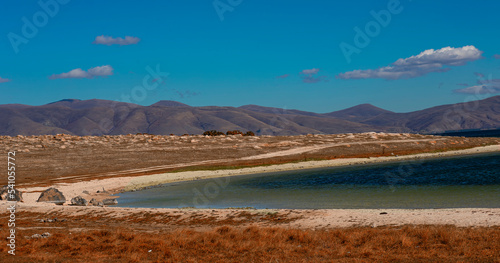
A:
{"points": [[481, 114], [359, 113], [169, 103], [98, 117]]}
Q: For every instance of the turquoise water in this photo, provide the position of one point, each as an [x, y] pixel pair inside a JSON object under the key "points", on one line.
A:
{"points": [[459, 182]]}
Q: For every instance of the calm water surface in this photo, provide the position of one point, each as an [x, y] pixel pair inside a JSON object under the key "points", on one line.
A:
{"points": [[459, 182]]}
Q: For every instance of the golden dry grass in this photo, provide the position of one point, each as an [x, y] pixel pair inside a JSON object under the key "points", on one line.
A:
{"points": [[255, 244]]}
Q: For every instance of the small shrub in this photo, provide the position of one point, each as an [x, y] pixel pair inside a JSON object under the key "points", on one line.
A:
{"points": [[249, 133], [213, 133], [235, 132]]}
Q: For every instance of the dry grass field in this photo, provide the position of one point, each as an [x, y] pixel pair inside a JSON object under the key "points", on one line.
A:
{"points": [[257, 244], [239, 235]]}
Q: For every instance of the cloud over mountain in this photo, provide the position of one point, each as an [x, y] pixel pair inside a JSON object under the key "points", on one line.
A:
{"points": [[415, 66], [78, 73]]}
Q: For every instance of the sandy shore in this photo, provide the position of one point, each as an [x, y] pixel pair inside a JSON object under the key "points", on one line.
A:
{"points": [[292, 218], [121, 184]]}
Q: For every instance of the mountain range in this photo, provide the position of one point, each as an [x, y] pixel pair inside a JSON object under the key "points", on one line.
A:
{"points": [[103, 117]]}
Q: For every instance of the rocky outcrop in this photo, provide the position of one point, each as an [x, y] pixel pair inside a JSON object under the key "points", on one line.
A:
{"points": [[94, 202], [111, 201], [52, 195], [13, 196], [35, 236], [79, 201]]}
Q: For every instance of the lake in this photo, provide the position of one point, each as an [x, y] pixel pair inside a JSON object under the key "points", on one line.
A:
{"points": [[456, 182]]}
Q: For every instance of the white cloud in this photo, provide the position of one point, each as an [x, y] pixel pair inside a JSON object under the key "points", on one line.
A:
{"points": [[106, 70], [73, 74], [78, 73], [107, 40], [310, 71], [415, 66], [2, 80], [309, 76]]}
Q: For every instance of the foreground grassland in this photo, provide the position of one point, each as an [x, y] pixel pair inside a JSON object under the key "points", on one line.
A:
{"points": [[260, 244], [79, 234]]}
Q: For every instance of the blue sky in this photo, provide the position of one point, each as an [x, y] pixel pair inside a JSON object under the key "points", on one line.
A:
{"points": [[283, 54]]}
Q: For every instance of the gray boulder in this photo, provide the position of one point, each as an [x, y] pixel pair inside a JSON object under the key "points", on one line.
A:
{"points": [[52, 195], [94, 202], [103, 191], [4, 194], [79, 201], [44, 235], [109, 201]]}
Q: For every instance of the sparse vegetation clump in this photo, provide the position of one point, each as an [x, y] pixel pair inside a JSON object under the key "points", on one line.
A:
{"points": [[237, 132], [249, 133], [213, 133], [233, 132]]}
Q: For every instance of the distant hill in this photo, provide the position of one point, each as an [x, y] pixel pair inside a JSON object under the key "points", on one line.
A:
{"points": [[359, 113], [99, 117], [272, 110], [170, 103], [87, 104], [482, 114]]}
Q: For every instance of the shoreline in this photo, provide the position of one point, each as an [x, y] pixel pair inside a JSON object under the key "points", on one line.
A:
{"points": [[290, 218], [141, 182], [125, 184]]}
